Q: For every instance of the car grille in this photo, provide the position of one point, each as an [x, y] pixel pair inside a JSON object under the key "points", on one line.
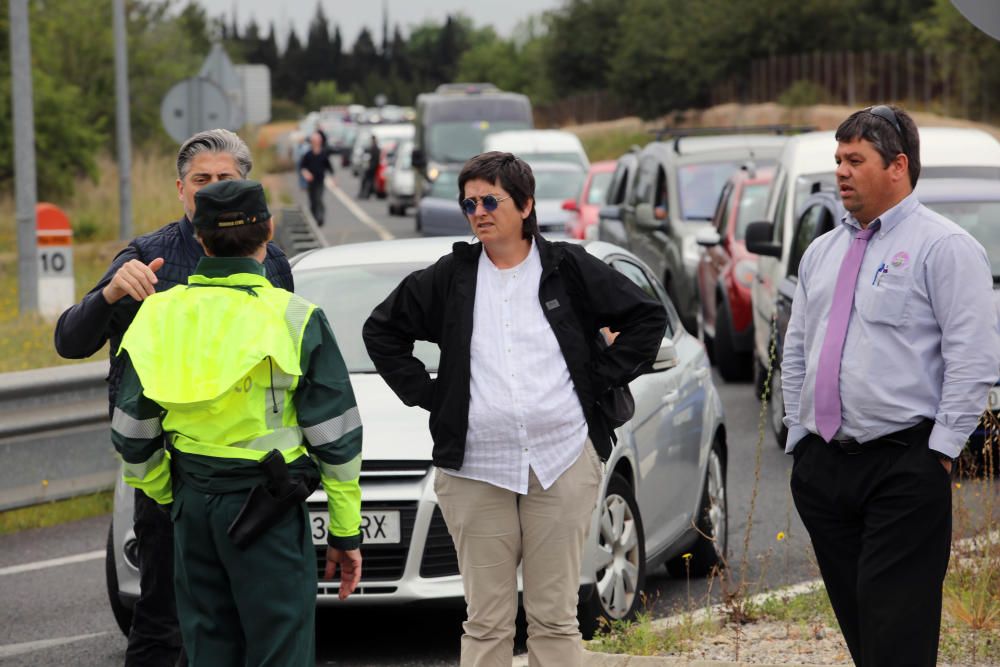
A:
{"points": [[440, 559], [385, 471], [381, 562]]}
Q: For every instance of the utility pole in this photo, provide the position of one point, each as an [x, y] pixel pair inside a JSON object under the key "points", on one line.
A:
{"points": [[123, 124], [25, 187]]}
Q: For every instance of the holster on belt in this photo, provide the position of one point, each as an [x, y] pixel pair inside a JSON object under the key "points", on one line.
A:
{"points": [[268, 503]]}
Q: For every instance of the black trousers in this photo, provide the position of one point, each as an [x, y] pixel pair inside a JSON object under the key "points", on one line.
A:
{"points": [[880, 523], [155, 637], [316, 207]]}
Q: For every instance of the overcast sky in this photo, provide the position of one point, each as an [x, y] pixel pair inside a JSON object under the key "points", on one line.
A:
{"points": [[352, 15]]}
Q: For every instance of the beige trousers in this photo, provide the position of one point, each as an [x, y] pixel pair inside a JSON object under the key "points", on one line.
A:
{"points": [[494, 530]]}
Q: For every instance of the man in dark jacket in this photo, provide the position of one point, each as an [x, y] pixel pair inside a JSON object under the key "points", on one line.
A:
{"points": [[152, 263], [517, 433]]}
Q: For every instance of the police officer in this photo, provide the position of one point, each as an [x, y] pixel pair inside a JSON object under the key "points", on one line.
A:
{"points": [[248, 387]]}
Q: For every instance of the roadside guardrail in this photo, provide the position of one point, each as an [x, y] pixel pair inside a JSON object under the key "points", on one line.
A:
{"points": [[55, 434]]}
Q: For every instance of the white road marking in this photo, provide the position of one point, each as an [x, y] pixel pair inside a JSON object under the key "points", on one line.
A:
{"points": [[54, 562], [358, 212], [11, 650]]}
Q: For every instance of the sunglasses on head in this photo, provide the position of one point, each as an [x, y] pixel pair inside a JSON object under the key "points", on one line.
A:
{"points": [[490, 203], [887, 114]]}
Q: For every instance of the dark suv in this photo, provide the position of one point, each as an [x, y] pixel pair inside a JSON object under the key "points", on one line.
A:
{"points": [[677, 187]]}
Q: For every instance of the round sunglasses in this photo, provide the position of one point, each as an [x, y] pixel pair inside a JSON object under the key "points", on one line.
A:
{"points": [[490, 203]]}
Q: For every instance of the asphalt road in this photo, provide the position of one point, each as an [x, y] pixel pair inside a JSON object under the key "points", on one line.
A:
{"points": [[59, 614]]}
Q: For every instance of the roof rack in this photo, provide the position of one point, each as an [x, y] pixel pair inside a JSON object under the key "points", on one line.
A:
{"points": [[471, 87], [678, 133]]}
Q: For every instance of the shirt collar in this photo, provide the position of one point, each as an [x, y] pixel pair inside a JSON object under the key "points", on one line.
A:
{"points": [[888, 220], [223, 267], [532, 257]]}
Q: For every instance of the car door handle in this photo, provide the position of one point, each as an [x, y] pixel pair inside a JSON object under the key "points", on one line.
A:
{"points": [[671, 396], [701, 373]]}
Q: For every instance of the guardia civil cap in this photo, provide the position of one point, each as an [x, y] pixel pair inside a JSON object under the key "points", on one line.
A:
{"points": [[228, 204]]}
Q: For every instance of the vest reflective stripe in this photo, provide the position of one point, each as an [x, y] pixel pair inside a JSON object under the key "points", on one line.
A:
{"points": [[343, 472], [333, 429], [137, 429], [284, 439], [296, 313], [140, 470]]}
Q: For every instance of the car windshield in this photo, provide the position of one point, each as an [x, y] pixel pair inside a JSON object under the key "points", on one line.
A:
{"points": [[980, 220], [598, 187], [348, 294], [552, 184], [445, 186], [457, 141], [700, 187], [753, 207]]}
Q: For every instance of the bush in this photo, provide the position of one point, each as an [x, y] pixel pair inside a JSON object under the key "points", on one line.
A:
{"points": [[803, 93], [285, 110]]}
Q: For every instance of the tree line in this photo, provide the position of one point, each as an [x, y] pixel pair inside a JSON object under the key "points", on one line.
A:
{"points": [[654, 56]]}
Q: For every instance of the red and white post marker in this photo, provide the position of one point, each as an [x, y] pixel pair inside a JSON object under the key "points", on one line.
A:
{"points": [[56, 286]]}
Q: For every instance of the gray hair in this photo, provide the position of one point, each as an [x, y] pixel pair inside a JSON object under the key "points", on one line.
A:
{"points": [[214, 141]]}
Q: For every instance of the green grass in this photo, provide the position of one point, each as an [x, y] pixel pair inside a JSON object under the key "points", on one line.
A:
{"points": [[56, 512], [639, 637], [613, 144]]}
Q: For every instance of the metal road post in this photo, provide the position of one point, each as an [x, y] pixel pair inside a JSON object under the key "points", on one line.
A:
{"points": [[124, 126], [24, 156]]}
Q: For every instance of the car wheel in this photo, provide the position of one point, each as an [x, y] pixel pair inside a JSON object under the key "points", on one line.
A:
{"points": [[418, 223], [392, 209], [705, 339], [122, 614], [709, 551], [620, 573], [776, 409], [733, 366]]}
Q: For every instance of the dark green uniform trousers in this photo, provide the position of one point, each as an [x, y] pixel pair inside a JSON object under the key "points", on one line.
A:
{"points": [[249, 608]]}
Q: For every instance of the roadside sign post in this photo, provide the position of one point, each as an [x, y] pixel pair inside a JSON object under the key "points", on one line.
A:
{"points": [[56, 286], [24, 155]]}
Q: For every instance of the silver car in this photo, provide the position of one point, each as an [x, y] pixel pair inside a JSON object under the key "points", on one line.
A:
{"points": [[664, 488]]}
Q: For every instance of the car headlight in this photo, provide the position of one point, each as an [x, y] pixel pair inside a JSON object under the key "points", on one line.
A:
{"points": [[433, 171], [744, 272]]}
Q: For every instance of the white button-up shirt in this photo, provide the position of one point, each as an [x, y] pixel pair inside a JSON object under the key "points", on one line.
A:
{"points": [[922, 341], [523, 409]]}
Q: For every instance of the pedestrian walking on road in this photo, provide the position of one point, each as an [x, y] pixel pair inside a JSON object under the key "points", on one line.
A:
{"points": [[313, 167], [234, 404], [518, 439], [890, 352], [371, 160], [148, 264]]}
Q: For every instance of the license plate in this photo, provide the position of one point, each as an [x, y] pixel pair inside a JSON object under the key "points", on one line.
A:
{"points": [[379, 527], [995, 398]]}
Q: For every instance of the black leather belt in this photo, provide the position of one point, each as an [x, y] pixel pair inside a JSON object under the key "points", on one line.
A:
{"points": [[917, 433]]}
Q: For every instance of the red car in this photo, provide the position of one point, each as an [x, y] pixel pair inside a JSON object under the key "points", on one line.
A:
{"points": [[727, 271], [590, 200], [384, 165]]}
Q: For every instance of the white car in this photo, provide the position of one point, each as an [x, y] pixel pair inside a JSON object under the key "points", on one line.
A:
{"points": [[539, 146], [664, 488], [400, 182], [382, 133], [806, 165]]}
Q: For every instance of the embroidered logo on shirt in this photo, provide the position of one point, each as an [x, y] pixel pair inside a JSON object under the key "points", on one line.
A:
{"points": [[900, 259], [552, 305]]}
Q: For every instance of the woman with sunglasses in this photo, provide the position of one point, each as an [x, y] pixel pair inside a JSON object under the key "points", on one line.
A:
{"points": [[518, 440]]}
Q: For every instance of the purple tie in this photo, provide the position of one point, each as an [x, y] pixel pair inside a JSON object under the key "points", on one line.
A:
{"points": [[827, 397]]}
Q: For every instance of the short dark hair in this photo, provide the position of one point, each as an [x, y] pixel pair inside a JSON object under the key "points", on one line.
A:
{"points": [[512, 173], [881, 133], [241, 241]]}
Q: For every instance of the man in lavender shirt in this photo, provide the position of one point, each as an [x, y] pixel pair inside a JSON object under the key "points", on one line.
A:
{"points": [[888, 358]]}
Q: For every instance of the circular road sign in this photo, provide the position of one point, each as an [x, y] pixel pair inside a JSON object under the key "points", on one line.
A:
{"points": [[192, 106]]}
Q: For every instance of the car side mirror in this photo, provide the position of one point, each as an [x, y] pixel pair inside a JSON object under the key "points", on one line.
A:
{"points": [[666, 356], [418, 160], [708, 238], [759, 241], [646, 218], [610, 212], [570, 205]]}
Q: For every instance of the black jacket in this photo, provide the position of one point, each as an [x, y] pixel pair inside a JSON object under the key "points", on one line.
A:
{"points": [[83, 328], [579, 294]]}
